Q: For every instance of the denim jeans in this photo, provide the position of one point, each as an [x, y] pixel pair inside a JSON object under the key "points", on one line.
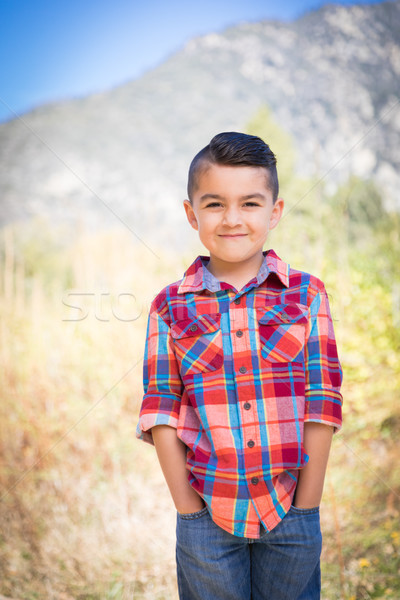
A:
{"points": [[283, 564]]}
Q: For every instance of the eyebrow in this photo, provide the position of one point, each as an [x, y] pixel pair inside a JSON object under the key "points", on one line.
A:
{"points": [[206, 197]]}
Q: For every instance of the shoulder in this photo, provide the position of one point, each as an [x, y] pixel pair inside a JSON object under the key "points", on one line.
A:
{"points": [[171, 301], [306, 284], [164, 301]]}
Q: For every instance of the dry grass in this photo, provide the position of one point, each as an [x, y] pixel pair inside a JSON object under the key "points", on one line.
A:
{"points": [[85, 511]]}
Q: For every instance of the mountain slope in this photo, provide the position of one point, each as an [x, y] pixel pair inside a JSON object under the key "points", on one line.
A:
{"points": [[331, 79]]}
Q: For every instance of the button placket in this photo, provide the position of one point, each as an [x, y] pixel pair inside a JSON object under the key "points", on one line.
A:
{"points": [[245, 394], [238, 324], [250, 434], [251, 440]]}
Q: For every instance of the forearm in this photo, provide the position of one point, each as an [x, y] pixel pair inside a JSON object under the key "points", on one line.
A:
{"points": [[171, 454], [317, 444]]}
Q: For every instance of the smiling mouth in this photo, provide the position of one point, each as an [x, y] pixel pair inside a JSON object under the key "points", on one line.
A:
{"points": [[229, 235]]}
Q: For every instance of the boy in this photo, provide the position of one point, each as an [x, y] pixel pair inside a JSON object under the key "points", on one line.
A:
{"points": [[242, 390]]}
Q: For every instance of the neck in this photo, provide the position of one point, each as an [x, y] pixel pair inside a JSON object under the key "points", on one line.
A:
{"points": [[236, 273]]}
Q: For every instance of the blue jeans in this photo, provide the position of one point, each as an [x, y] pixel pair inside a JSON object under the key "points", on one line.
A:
{"points": [[283, 564]]}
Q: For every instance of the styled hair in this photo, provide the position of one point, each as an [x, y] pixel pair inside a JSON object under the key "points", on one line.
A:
{"points": [[236, 149]]}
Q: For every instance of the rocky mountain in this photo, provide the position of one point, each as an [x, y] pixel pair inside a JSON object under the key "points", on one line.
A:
{"points": [[330, 78]]}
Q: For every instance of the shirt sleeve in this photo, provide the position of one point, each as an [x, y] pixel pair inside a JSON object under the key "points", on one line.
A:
{"points": [[323, 370], [162, 383]]}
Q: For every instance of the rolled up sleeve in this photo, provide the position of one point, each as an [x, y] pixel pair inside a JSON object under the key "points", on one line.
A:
{"points": [[323, 370], [162, 383]]}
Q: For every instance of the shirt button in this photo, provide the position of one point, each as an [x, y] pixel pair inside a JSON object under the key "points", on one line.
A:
{"points": [[239, 333], [243, 369], [254, 480], [193, 327], [251, 443], [237, 301], [247, 406]]}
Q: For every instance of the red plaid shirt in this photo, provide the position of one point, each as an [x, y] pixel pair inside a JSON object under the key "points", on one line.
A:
{"points": [[237, 373]]}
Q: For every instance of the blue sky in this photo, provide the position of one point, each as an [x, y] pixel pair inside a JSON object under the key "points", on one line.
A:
{"points": [[53, 50]]}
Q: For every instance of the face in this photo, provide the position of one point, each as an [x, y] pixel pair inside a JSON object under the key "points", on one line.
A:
{"points": [[233, 212]]}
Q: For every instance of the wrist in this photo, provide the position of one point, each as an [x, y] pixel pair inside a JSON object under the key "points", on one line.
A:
{"points": [[306, 505], [187, 500], [190, 507], [304, 499]]}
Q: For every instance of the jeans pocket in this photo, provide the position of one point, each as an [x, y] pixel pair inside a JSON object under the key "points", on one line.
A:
{"points": [[304, 511], [194, 515]]}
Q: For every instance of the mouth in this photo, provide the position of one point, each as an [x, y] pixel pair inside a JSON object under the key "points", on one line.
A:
{"points": [[233, 235]]}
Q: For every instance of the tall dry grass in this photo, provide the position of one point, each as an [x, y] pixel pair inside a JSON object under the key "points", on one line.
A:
{"points": [[84, 512]]}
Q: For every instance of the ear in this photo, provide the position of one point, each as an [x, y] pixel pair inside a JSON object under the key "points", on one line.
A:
{"points": [[191, 217], [276, 213]]}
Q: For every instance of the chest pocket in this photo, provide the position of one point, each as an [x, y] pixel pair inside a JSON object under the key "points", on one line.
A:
{"points": [[198, 343], [282, 331]]}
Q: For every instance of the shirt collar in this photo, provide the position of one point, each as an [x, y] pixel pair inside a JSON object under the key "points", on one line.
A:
{"points": [[197, 277]]}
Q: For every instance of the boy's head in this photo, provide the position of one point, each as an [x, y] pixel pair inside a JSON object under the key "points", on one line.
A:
{"points": [[233, 201], [235, 149]]}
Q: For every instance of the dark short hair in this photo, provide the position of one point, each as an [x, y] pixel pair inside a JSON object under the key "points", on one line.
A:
{"points": [[240, 149]]}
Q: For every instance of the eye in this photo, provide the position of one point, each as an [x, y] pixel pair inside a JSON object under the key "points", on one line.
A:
{"points": [[249, 203], [213, 204]]}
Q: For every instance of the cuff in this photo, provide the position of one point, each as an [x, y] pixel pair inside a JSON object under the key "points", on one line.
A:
{"points": [[324, 405], [146, 422]]}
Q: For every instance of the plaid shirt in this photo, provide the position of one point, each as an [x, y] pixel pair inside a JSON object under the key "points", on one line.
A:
{"points": [[237, 373]]}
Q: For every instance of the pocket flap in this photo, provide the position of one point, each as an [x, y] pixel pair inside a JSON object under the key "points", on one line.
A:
{"points": [[282, 313], [196, 326]]}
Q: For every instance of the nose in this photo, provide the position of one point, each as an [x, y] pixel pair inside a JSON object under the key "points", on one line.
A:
{"points": [[232, 216]]}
